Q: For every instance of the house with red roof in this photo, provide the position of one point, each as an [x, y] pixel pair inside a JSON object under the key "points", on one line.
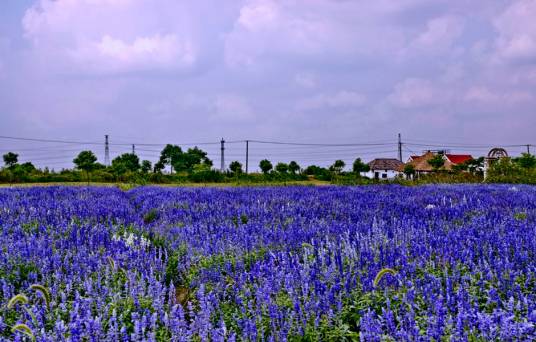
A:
{"points": [[458, 158], [421, 165]]}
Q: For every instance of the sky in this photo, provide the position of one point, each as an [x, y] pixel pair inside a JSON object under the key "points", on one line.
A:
{"points": [[453, 73]]}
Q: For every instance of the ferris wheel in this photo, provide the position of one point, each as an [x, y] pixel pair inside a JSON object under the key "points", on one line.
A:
{"points": [[497, 153]]}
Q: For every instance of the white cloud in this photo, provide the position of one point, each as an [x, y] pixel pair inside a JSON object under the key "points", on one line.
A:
{"points": [[306, 80], [231, 107], [340, 99], [155, 52], [416, 92], [442, 31], [259, 15], [516, 28], [484, 96], [322, 30], [109, 36], [420, 93], [439, 37]]}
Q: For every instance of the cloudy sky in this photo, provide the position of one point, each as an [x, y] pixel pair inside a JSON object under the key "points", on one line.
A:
{"points": [[324, 71]]}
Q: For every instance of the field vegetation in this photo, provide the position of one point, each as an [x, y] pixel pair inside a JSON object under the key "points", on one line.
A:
{"points": [[193, 167], [391, 263]]}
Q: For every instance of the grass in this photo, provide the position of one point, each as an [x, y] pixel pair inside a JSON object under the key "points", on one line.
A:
{"points": [[126, 186]]}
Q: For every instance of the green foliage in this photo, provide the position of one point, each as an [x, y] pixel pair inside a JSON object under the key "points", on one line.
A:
{"points": [[293, 167], [182, 161], [505, 170], [337, 166], [85, 161], [281, 167], [265, 165], [526, 161], [207, 176], [168, 156], [520, 216], [436, 162], [193, 166], [146, 166], [351, 179], [474, 166], [358, 166], [235, 167], [150, 216], [409, 171], [126, 162], [185, 162], [172, 268], [444, 178], [318, 172], [18, 273], [10, 159]]}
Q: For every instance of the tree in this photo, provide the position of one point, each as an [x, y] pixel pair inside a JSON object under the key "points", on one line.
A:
{"points": [[281, 168], [169, 156], [436, 162], [146, 166], [158, 167], [265, 165], [472, 165], [526, 161], [409, 171], [85, 161], [359, 166], [337, 166], [293, 167], [185, 161], [127, 161], [11, 159], [313, 170], [28, 167], [235, 167]]}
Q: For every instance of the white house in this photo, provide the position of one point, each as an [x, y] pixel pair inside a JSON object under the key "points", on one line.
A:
{"points": [[384, 168]]}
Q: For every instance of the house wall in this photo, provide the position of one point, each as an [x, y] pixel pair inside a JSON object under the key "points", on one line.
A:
{"points": [[382, 174]]}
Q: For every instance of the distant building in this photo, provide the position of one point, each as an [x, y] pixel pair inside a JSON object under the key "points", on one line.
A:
{"points": [[421, 165], [494, 154], [384, 168]]}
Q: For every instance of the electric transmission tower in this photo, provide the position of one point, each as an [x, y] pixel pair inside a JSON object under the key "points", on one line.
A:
{"points": [[106, 151]]}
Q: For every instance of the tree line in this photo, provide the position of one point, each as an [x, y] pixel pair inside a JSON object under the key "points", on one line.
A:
{"points": [[193, 165]]}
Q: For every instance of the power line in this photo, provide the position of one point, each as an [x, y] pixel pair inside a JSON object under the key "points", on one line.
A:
{"points": [[98, 143], [50, 140], [317, 144]]}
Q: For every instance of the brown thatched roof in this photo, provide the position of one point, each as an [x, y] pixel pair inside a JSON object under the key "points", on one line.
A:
{"points": [[385, 164]]}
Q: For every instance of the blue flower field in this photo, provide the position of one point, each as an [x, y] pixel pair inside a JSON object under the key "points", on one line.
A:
{"points": [[372, 263]]}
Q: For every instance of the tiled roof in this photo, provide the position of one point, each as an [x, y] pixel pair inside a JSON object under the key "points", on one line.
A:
{"points": [[458, 158], [420, 163]]}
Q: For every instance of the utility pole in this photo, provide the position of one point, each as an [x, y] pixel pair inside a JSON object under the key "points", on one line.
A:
{"points": [[222, 167], [106, 151], [528, 148], [133, 149], [399, 147], [247, 155]]}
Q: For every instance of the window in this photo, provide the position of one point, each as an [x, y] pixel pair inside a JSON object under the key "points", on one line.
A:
{"points": [[384, 175]]}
